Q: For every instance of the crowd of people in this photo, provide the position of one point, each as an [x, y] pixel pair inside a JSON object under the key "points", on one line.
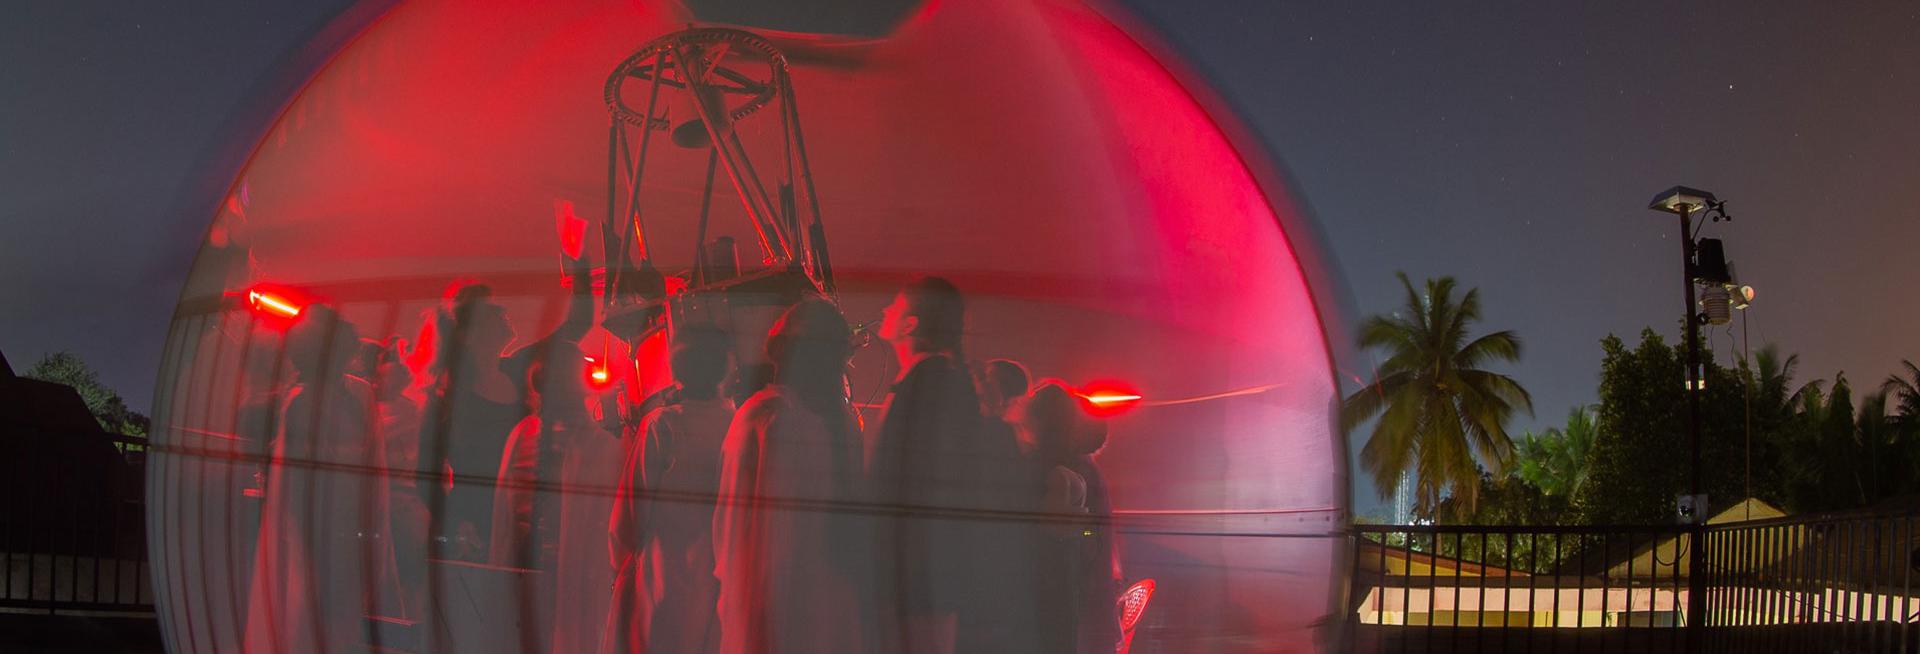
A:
{"points": [[770, 515]]}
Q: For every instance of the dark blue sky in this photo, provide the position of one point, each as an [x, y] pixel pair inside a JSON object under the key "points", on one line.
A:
{"points": [[105, 110], [1515, 148], [1512, 146]]}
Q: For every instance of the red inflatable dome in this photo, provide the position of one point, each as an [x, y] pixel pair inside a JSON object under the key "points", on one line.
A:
{"points": [[1099, 222]]}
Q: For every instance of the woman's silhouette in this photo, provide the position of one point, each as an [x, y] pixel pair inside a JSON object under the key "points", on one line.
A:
{"points": [[1077, 577], [786, 553], [477, 396], [472, 406]]}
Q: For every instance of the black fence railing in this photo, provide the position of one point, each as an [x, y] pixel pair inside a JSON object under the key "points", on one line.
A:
{"points": [[1840, 582], [73, 524], [1836, 582], [1426, 588]]}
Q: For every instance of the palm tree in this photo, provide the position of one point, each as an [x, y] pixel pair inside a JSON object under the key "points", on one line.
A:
{"points": [[1903, 399], [1904, 393], [1771, 424], [1874, 457], [1820, 461], [1556, 462], [1437, 408], [1772, 375]]}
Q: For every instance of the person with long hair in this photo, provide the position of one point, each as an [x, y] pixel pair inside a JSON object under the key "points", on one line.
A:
{"points": [[476, 395], [318, 565], [1001, 383], [786, 553], [661, 531], [1075, 587], [472, 406]]}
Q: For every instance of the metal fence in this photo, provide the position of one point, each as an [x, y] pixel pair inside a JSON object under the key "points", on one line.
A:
{"points": [[72, 524], [1518, 588], [1835, 582], [1839, 582]]}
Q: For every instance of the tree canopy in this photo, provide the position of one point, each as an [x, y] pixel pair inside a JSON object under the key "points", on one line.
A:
{"points": [[1555, 462], [108, 408], [1440, 413]]}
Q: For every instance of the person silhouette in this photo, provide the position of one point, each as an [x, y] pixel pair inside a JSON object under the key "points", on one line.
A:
{"points": [[952, 576], [318, 565], [790, 560], [661, 531]]}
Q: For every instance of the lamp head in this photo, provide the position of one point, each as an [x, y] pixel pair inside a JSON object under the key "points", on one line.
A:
{"points": [[1681, 200]]}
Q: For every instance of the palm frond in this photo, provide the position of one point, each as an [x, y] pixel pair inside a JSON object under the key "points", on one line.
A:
{"points": [[1363, 404], [1465, 312], [1498, 346], [1500, 386], [1394, 441]]}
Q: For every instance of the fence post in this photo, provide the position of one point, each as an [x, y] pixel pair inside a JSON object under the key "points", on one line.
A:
{"points": [[1696, 585]]}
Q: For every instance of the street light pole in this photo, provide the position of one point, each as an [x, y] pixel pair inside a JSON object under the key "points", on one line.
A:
{"points": [[1696, 559], [1694, 385], [1682, 202]]}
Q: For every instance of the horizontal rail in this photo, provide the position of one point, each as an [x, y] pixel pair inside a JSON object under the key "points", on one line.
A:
{"points": [[1520, 529]]}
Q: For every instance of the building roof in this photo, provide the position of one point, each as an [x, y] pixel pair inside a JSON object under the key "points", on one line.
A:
{"points": [[1399, 560], [30, 405], [1658, 558]]}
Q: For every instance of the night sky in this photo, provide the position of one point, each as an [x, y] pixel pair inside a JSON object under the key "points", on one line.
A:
{"points": [[1513, 147]]}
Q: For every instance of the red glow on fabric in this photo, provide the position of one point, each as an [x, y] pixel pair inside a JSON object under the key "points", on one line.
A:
{"points": [[572, 228], [1105, 399], [424, 343]]}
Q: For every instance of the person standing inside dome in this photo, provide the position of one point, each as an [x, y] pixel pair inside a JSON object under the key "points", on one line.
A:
{"points": [[789, 556], [319, 560], [951, 577], [1046, 420], [1100, 577], [1001, 383], [399, 429], [551, 502], [1078, 577], [477, 395], [661, 531], [472, 406]]}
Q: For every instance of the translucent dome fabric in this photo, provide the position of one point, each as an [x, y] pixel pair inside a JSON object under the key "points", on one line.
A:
{"points": [[1099, 222]]}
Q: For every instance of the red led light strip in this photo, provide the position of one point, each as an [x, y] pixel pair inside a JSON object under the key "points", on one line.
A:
{"points": [[271, 304]]}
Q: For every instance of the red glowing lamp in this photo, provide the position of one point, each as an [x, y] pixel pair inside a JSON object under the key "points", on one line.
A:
{"points": [[597, 374], [274, 303], [1107, 399], [1133, 603]]}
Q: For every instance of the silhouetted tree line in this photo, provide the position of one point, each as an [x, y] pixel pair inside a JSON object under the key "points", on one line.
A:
{"points": [[1805, 447], [108, 408], [1434, 410]]}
